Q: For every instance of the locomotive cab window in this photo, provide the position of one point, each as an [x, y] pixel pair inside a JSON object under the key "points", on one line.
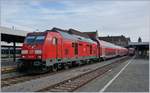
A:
{"points": [[54, 41], [34, 39], [39, 39], [29, 39]]}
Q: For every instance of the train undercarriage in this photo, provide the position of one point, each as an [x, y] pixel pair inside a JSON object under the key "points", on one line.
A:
{"points": [[39, 66]]}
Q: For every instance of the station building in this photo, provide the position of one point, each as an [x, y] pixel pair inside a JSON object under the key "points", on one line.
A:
{"points": [[142, 48], [11, 41], [118, 40]]}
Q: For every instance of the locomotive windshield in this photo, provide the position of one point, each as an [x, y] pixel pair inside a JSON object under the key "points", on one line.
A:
{"points": [[39, 39], [34, 39], [29, 39]]}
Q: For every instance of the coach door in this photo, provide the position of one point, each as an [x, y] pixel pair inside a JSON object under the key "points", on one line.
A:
{"points": [[76, 48], [57, 47], [55, 44]]}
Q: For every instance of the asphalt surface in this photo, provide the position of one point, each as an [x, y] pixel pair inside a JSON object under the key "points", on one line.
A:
{"points": [[134, 78]]}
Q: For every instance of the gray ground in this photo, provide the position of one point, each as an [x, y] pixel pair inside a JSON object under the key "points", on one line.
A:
{"points": [[135, 78]]}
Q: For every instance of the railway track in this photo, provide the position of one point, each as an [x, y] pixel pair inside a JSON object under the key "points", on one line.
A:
{"points": [[22, 78], [7, 69], [26, 77], [73, 83]]}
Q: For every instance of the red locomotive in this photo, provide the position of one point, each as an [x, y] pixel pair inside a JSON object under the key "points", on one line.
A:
{"points": [[57, 48]]}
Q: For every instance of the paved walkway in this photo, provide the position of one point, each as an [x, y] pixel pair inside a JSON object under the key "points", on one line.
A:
{"points": [[131, 76], [135, 78]]}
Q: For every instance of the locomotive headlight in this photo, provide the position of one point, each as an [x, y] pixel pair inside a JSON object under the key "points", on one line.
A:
{"points": [[38, 51], [23, 56], [24, 52]]}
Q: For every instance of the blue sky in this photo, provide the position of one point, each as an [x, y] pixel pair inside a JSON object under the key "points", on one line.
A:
{"points": [[116, 17]]}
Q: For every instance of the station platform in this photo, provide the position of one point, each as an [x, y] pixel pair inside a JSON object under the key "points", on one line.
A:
{"points": [[130, 76]]}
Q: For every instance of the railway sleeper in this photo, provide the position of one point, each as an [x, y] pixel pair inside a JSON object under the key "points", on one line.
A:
{"points": [[56, 90]]}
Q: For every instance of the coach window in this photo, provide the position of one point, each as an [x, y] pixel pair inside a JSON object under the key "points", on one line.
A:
{"points": [[76, 49], [90, 49], [54, 41], [73, 44]]}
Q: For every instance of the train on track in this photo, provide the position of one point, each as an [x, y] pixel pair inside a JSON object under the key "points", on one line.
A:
{"points": [[131, 51], [57, 48]]}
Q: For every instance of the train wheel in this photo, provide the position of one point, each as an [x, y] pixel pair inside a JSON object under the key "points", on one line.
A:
{"points": [[54, 68], [60, 66], [100, 60], [103, 59], [45, 69], [85, 62], [66, 66], [21, 67], [39, 70]]}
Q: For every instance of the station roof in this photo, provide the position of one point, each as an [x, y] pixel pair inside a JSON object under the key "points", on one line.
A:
{"points": [[10, 35], [138, 43]]}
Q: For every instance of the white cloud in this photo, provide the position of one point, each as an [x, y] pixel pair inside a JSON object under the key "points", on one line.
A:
{"points": [[129, 18]]}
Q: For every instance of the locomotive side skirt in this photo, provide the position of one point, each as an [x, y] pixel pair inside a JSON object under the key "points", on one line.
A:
{"points": [[50, 62]]}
